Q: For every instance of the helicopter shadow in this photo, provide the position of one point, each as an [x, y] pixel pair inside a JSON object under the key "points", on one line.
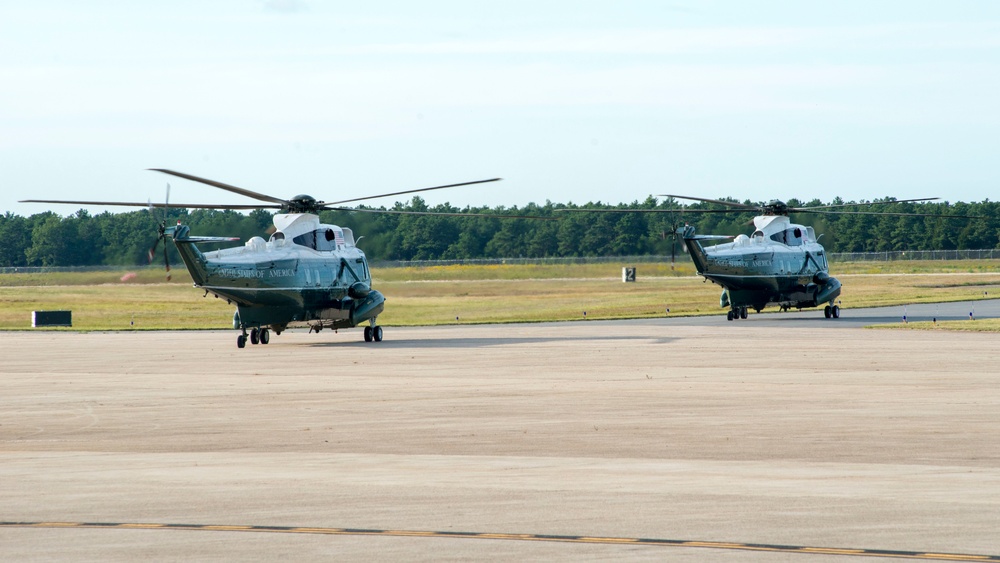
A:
{"points": [[865, 319], [481, 342], [820, 321]]}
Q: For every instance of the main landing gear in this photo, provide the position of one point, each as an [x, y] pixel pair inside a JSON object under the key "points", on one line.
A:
{"points": [[256, 336], [373, 332], [737, 313], [832, 312]]}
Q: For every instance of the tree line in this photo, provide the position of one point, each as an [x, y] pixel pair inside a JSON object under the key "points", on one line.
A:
{"points": [[83, 239]]}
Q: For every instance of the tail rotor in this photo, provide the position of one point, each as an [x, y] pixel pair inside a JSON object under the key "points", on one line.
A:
{"points": [[161, 235], [673, 246]]}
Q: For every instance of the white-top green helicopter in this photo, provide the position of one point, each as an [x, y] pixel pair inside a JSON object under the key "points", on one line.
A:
{"points": [[781, 263], [308, 272]]}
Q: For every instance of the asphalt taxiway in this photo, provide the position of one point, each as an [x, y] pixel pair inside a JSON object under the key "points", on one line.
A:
{"points": [[783, 437]]}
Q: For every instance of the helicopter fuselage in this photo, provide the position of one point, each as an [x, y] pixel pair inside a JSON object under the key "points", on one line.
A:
{"points": [[779, 264], [307, 273]]}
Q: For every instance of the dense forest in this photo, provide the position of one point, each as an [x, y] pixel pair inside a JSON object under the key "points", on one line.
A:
{"points": [[82, 239]]}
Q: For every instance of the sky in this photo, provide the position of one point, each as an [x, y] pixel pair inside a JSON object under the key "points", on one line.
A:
{"points": [[568, 101]]}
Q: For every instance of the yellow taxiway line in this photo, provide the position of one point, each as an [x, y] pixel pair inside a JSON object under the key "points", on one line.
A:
{"points": [[897, 554]]}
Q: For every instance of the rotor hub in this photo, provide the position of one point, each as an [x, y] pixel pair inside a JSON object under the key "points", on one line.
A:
{"points": [[303, 203], [775, 207]]}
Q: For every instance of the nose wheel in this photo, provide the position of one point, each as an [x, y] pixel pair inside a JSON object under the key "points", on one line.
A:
{"points": [[373, 333]]}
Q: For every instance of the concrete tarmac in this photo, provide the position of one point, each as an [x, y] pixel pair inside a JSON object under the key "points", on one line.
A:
{"points": [[767, 439]]}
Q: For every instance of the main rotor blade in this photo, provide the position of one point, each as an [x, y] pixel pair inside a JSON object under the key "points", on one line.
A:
{"points": [[412, 191], [682, 210], [159, 205], [221, 186], [811, 207], [442, 214], [716, 201], [935, 215]]}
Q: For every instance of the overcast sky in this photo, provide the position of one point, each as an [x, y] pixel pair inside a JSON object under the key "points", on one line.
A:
{"points": [[566, 100]]}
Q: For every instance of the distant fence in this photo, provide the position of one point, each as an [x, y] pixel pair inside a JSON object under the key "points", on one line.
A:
{"points": [[555, 260], [889, 256], [53, 269]]}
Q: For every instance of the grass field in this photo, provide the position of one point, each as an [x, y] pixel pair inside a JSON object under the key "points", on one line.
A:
{"points": [[480, 294], [981, 325]]}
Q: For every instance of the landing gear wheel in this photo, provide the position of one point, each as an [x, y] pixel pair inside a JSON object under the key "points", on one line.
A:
{"points": [[743, 312], [729, 315], [835, 311], [254, 339], [368, 334], [828, 311], [377, 333], [241, 341], [265, 336]]}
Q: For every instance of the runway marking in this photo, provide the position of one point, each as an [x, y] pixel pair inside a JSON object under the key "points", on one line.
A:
{"points": [[887, 553]]}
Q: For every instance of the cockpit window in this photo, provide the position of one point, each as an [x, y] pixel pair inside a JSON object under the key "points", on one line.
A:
{"points": [[324, 240], [307, 240], [791, 237]]}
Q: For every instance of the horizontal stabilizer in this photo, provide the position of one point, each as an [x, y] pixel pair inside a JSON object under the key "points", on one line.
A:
{"points": [[180, 235], [208, 239], [687, 233], [709, 237]]}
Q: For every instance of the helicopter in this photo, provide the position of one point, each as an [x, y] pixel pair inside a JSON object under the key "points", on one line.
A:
{"points": [[781, 263], [307, 272]]}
